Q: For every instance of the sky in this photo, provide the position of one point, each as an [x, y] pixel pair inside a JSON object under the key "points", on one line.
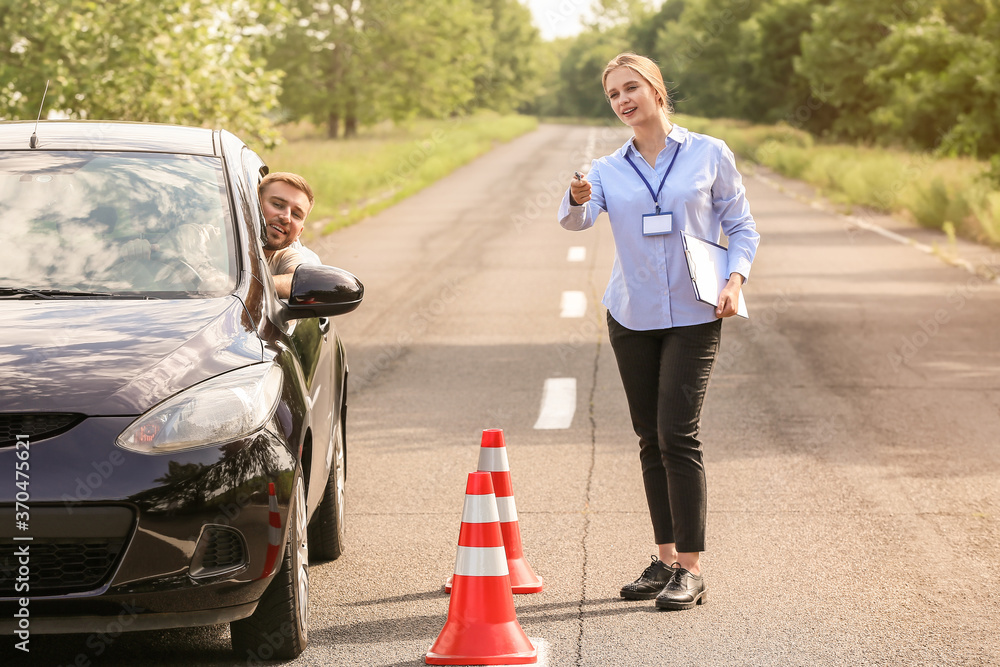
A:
{"points": [[558, 18]]}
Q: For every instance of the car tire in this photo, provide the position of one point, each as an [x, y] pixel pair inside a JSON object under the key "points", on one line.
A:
{"points": [[278, 628], [326, 530]]}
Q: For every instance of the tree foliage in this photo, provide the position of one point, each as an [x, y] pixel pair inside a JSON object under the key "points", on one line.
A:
{"points": [[942, 81], [362, 61], [514, 67], [243, 64], [837, 55], [180, 61], [769, 45], [923, 73], [697, 51], [580, 73]]}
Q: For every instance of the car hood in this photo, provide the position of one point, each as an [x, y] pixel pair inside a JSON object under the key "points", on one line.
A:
{"points": [[116, 357]]}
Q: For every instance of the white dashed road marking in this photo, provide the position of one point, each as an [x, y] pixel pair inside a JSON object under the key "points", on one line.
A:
{"points": [[577, 253], [558, 404], [574, 304]]}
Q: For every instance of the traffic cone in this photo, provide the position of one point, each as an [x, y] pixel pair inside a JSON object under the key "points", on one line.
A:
{"points": [[493, 459], [482, 627], [273, 532]]}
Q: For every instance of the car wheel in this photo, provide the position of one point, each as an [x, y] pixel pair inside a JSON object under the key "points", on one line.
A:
{"points": [[278, 628], [326, 531]]}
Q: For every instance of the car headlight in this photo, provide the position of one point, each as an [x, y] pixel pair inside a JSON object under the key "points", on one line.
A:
{"points": [[225, 408]]}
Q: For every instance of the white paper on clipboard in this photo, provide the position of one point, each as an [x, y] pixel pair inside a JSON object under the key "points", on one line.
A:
{"points": [[708, 264]]}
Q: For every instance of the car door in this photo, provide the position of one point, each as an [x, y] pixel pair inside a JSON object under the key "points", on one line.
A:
{"points": [[317, 348]]}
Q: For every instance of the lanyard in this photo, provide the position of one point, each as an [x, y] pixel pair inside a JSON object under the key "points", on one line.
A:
{"points": [[655, 195]]}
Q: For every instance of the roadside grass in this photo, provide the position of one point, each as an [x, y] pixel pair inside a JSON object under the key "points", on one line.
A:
{"points": [[951, 194], [355, 178]]}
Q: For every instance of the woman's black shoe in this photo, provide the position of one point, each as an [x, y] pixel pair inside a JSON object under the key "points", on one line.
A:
{"points": [[650, 582], [683, 591]]}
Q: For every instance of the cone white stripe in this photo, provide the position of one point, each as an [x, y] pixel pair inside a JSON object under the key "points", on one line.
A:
{"points": [[493, 459], [507, 509], [273, 532], [480, 509], [481, 562]]}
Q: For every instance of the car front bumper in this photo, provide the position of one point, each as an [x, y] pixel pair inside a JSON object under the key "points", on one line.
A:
{"points": [[116, 538]]}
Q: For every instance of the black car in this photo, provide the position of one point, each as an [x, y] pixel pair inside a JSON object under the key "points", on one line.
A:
{"points": [[172, 434]]}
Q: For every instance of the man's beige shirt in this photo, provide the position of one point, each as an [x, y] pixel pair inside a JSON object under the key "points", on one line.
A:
{"points": [[284, 261]]}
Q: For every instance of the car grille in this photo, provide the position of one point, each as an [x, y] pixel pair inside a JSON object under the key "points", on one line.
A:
{"points": [[221, 549], [60, 567], [224, 550], [35, 426], [72, 550]]}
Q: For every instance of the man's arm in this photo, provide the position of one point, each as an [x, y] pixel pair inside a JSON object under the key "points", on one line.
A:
{"points": [[283, 265], [283, 284]]}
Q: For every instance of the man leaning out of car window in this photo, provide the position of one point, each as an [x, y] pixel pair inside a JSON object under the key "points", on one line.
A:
{"points": [[286, 199]]}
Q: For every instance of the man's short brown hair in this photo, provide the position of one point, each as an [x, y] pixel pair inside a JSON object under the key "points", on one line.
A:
{"points": [[294, 180]]}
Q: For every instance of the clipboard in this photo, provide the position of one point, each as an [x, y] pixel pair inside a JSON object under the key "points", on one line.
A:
{"points": [[708, 265]]}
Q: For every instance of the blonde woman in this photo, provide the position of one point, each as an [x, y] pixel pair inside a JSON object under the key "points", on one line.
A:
{"points": [[664, 180]]}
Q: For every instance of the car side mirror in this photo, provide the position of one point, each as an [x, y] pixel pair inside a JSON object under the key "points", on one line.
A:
{"points": [[322, 291]]}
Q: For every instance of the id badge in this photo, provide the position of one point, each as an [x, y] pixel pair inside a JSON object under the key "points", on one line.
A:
{"points": [[657, 223]]}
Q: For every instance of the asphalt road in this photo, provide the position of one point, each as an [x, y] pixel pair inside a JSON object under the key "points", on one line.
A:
{"points": [[851, 436]]}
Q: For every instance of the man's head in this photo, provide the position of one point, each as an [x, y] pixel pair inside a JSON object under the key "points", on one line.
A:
{"points": [[286, 200]]}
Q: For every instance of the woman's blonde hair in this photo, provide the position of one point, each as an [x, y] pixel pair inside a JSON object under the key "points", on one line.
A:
{"points": [[645, 68]]}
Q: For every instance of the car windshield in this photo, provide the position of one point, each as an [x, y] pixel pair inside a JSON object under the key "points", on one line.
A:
{"points": [[141, 224]]}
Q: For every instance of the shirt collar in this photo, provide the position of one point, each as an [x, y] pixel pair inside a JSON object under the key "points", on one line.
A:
{"points": [[677, 134]]}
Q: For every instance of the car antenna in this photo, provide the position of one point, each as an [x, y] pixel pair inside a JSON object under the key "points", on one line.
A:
{"points": [[33, 141]]}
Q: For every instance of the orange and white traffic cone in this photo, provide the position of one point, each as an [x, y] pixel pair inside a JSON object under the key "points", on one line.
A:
{"points": [[273, 532], [493, 459], [482, 627]]}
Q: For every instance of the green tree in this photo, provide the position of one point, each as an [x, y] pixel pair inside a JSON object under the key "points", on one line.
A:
{"points": [[925, 73], [513, 70], [580, 72], [771, 90], [572, 87], [697, 52], [840, 51], [942, 83], [642, 31], [194, 62], [322, 52], [547, 98], [369, 60]]}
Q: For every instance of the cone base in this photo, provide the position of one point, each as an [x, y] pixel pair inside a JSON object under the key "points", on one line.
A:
{"points": [[522, 578], [528, 587], [462, 643], [526, 658]]}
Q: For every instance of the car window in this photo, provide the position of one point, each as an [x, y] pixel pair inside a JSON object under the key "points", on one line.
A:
{"points": [[129, 223], [252, 165]]}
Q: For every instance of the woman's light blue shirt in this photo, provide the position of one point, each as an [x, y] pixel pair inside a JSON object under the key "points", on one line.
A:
{"points": [[650, 287]]}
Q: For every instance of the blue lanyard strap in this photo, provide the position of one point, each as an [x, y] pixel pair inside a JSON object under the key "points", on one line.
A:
{"points": [[655, 195]]}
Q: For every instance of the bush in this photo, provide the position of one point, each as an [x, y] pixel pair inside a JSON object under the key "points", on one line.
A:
{"points": [[931, 190], [987, 211]]}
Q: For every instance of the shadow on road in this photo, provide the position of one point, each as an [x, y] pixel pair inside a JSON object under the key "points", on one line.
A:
{"points": [[409, 597]]}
